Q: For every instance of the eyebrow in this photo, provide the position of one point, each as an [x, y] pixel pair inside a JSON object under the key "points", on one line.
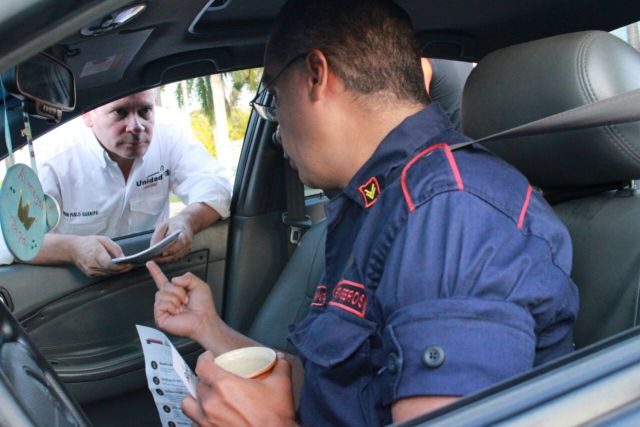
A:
{"points": [[123, 106], [126, 106]]}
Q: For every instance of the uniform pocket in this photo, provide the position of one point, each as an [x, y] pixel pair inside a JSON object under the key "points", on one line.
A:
{"points": [[330, 338], [82, 227], [150, 205]]}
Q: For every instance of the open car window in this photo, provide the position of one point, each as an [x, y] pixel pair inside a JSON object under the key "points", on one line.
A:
{"points": [[212, 110]]}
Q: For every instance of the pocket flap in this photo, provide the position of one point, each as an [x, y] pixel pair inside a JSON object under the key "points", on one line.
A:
{"points": [[330, 338]]}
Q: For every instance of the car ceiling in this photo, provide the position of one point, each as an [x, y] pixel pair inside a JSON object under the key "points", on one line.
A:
{"points": [[173, 40]]}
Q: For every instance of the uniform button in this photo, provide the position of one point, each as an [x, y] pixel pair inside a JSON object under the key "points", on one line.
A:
{"points": [[433, 357], [392, 363]]}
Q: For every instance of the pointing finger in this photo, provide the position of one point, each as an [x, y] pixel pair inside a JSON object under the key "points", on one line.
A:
{"points": [[156, 274]]}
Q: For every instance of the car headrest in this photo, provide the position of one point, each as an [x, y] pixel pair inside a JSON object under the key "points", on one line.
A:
{"points": [[526, 82]]}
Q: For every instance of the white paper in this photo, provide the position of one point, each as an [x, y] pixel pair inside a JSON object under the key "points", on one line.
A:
{"points": [[170, 379], [150, 252]]}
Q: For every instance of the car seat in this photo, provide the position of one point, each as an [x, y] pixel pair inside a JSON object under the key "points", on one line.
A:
{"points": [[587, 174], [292, 293]]}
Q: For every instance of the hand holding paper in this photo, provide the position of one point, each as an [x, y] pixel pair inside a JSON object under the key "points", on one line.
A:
{"points": [[151, 252]]}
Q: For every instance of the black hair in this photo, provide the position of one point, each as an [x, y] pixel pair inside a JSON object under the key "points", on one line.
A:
{"points": [[369, 44]]}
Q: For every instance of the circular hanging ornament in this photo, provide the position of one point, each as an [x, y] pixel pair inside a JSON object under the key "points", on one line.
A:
{"points": [[22, 212], [52, 209]]}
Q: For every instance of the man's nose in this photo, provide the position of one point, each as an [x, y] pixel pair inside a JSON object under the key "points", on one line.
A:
{"points": [[134, 125]]}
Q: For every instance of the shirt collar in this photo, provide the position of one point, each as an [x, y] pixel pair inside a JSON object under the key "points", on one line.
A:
{"points": [[101, 154], [97, 149], [394, 151]]}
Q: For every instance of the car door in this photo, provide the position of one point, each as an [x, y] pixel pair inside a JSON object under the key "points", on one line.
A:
{"points": [[85, 326]]}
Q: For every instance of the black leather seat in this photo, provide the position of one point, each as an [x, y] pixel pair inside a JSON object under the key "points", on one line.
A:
{"points": [[292, 293], [588, 169]]}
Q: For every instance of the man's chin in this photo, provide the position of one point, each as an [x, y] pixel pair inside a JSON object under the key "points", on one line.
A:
{"points": [[303, 176], [136, 150]]}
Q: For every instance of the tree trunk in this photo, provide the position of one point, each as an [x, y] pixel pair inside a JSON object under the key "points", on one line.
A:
{"points": [[633, 35], [158, 92], [185, 95], [220, 117]]}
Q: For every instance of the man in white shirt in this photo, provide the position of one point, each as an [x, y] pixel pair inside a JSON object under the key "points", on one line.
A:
{"points": [[112, 171]]}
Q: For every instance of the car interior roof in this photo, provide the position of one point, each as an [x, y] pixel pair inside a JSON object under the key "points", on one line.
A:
{"points": [[173, 40]]}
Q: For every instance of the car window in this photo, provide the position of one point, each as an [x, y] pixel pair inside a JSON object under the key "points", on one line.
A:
{"points": [[195, 99], [630, 34], [312, 192], [215, 109]]}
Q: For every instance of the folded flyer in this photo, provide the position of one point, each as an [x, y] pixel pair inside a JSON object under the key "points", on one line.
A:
{"points": [[170, 379], [152, 251]]}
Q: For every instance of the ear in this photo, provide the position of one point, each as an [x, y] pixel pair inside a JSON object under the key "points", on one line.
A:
{"points": [[427, 71], [88, 120], [317, 68]]}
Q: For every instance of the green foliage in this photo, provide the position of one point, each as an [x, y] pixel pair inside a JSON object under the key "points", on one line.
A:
{"points": [[201, 87], [238, 119], [242, 80], [178, 94], [202, 121], [203, 131]]}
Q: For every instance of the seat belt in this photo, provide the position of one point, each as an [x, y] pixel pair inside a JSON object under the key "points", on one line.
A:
{"points": [[294, 218], [617, 109]]}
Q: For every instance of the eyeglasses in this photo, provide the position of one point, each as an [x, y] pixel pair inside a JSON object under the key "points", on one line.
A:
{"points": [[268, 112]]}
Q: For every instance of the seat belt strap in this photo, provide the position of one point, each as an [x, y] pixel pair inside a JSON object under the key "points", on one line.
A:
{"points": [[617, 109], [295, 217]]}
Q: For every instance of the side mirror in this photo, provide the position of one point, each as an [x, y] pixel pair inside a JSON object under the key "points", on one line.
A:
{"points": [[45, 81]]}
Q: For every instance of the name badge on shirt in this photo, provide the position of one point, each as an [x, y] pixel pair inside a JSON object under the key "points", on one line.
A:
{"points": [[350, 296]]}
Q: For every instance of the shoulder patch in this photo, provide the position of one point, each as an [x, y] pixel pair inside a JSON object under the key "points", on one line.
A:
{"points": [[370, 192], [350, 296], [320, 296]]}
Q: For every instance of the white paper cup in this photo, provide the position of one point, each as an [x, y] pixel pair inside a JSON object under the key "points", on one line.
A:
{"points": [[248, 362]]}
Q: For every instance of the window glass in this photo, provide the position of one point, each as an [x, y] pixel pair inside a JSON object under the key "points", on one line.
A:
{"points": [[630, 34], [312, 192]]}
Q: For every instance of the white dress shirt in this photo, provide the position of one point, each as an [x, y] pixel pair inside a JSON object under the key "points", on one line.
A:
{"points": [[93, 195]]}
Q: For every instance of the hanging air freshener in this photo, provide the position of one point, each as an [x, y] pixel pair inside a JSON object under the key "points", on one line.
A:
{"points": [[23, 215]]}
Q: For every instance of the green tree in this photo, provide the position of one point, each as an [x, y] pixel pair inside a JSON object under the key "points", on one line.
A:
{"points": [[223, 92], [203, 131], [242, 80]]}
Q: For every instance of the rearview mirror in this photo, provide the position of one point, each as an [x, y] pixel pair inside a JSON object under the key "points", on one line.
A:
{"points": [[46, 81]]}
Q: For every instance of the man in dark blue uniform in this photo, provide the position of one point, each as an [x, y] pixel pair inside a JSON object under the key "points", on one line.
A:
{"points": [[445, 271]]}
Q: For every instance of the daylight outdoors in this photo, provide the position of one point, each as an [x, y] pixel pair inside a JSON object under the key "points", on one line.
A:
{"points": [[630, 34], [217, 107]]}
